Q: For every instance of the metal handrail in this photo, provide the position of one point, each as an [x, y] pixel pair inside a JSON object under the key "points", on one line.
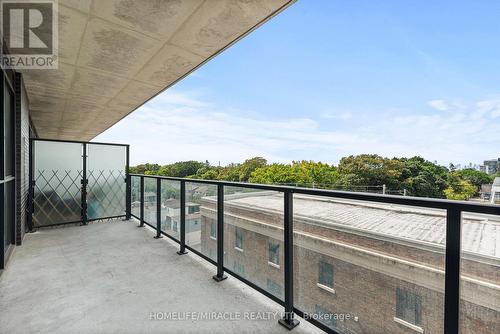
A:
{"points": [[454, 210], [434, 203]]}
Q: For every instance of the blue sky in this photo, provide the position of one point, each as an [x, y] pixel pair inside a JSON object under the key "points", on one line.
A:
{"points": [[326, 79]]}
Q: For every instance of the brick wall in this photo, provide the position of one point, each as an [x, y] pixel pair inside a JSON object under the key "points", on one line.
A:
{"points": [[367, 294]]}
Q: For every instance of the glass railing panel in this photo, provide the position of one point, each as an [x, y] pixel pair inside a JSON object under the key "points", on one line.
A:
{"points": [[480, 274], [150, 198], [135, 195], [201, 218], [362, 267], [171, 208], [253, 237]]}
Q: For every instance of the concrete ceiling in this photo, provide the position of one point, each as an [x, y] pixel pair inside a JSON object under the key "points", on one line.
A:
{"points": [[114, 55]]}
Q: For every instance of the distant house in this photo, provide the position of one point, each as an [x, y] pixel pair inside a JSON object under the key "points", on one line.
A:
{"points": [[171, 220], [495, 191], [486, 192], [149, 197]]}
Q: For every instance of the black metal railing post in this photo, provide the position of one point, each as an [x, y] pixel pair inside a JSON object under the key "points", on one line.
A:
{"points": [[452, 271], [288, 320], [128, 196], [158, 209], [84, 185], [220, 234], [141, 202], [182, 236]]}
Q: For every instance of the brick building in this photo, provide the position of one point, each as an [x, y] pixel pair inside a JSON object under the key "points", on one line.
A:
{"points": [[361, 268]]}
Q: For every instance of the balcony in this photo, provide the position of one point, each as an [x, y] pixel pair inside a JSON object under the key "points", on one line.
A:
{"points": [[265, 258], [112, 277], [341, 262]]}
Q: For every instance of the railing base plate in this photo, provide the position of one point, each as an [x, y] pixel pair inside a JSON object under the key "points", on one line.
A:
{"points": [[181, 253], [219, 278], [288, 324], [158, 236]]}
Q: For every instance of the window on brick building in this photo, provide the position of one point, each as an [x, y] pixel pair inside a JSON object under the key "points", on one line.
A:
{"points": [[325, 275], [213, 230], [174, 228], [273, 287], [408, 307], [193, 209], [238, 238], [239, 268], [325, 317], [168, 223], [274, 252]]}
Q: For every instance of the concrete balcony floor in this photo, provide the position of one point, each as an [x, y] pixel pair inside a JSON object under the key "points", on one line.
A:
{"points": [[108, 277]]}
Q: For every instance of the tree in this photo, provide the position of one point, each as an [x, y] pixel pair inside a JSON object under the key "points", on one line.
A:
{"points": [[249, 166], [275, 173], [475, 177], [181, 168], [370, 170], [424, 178], [230, 173], [458, 188], [302, 173], [417, 175], [143, 168], [208, 174]]}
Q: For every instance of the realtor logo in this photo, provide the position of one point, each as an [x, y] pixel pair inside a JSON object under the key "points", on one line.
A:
{"points": [[29, 30]]}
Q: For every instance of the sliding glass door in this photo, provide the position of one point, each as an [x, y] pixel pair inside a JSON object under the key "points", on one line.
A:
{"points": [[7, 169]]}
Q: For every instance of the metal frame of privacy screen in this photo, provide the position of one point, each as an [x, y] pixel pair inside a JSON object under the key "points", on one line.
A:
{"points": [[77, 182]]}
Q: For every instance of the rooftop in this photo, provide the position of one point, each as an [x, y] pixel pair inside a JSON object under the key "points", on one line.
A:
{"points": [[83, 280], [418, 225], [175, 203]]}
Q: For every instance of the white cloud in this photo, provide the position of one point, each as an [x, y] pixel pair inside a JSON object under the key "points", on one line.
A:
{"points": [[337, 115], [178, 126], [490, 106], [438, 105]]}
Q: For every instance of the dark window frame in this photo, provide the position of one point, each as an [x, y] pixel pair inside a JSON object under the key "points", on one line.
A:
{"points": [[213, 230], [273, 252], [409, 306], [238, 238], [326, 274]]}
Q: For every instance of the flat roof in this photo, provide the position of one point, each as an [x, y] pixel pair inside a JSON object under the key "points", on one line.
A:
{"points": [[481, 233]]}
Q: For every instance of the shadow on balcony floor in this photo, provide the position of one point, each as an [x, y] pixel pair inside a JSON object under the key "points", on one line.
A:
{"points": [[109, 277]]}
